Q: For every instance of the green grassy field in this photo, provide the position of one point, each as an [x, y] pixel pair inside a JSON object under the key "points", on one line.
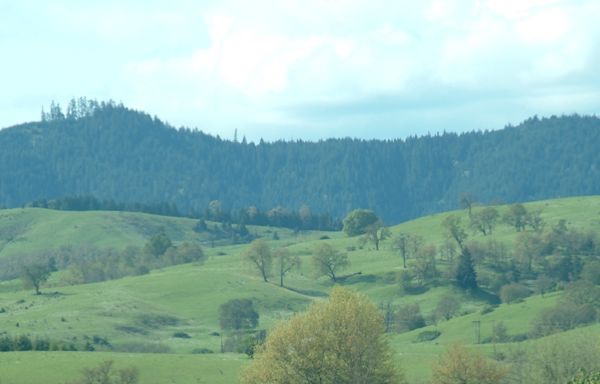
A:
{"points": [[130, 312]]}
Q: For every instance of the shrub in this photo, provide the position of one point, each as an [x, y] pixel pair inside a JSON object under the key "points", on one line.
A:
{"points": [[131, 329], [238, 314], [200, 351], [487, 309], [153, 320], [514, 292], [427, 336], [181, 335], [562, 317], [137, 347], [447, 307], [105, 374], [409, 317]]}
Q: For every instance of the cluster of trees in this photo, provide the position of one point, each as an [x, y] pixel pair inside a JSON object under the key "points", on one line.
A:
{"points": [[580, 305], [114, 153], [260, 255], [26, 343], [89, 264], [341, 341], [326, 260], [302, 219]]}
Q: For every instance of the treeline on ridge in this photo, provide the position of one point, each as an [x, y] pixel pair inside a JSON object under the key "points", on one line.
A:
{"points": [[303, 219], [115, 153]]}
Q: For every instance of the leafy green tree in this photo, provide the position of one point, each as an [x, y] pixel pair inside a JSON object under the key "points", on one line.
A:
{"points": [[466, 277], [285, 263], [516, 216], [559, 358], [591, 271], [338, 341], [33, 276], [534, 220], [424, 267], [259, 254], [402, 244], [446, 307], [458, 365], [358, 221], [484, 220], [513, 292], [185, 253], [454, 229], [238, 314], [467, 201], [328, 261], [375, 233], [158, 245], [409, 317]]}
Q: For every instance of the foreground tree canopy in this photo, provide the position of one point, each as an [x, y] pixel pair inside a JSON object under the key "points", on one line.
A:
{"points": [[336, 341]]}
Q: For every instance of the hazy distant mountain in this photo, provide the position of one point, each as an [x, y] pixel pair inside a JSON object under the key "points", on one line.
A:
{"points": [[112, 152]]}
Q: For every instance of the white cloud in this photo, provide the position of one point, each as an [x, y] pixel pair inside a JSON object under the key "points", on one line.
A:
{"points": [[545, 26], [232, 63]]}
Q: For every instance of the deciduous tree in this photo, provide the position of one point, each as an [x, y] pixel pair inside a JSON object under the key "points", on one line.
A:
{"points": [[259, 254], [285, 263], [328, 261], [454, 229], [238, 314], [33, 276], [461, 366], [338, 341], [357, 221]]}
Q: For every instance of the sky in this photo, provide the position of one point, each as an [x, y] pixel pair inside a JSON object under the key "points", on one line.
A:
{"points": [[306, 69]]}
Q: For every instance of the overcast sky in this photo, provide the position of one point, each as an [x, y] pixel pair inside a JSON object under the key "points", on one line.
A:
{"points": [[306, 69]]}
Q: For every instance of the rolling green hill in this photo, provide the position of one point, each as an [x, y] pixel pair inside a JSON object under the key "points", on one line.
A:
{"points": [[143, 313]]}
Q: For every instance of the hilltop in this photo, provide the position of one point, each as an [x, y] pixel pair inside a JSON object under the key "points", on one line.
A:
{"points": [[114, 153]]}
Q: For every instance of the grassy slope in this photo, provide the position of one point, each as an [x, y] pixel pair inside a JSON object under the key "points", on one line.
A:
{"points": [[193, 293]]}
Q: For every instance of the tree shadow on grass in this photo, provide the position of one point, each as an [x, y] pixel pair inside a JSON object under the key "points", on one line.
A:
{"points": [[308, 292]]}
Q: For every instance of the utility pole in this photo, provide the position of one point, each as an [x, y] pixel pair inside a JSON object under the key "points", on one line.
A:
{"points": [[477, 323]]}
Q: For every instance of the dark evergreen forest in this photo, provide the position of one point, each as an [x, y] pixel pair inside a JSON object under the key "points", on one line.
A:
{"points": [[114, 153]]}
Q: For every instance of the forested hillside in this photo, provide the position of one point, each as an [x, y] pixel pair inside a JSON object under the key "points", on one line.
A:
{"points": [[111, 152]]}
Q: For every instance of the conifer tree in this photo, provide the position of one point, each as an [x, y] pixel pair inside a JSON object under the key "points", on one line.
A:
{"points": [[466, 277]]}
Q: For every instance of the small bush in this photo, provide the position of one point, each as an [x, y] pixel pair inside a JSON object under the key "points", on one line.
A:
{"points": [[153, 320], [131, 329], [135, 347], [409, 317], [427, 336], [514, 292], [201, 351], [487, 309], [181, 335], [324, 237], [100, 341]]}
